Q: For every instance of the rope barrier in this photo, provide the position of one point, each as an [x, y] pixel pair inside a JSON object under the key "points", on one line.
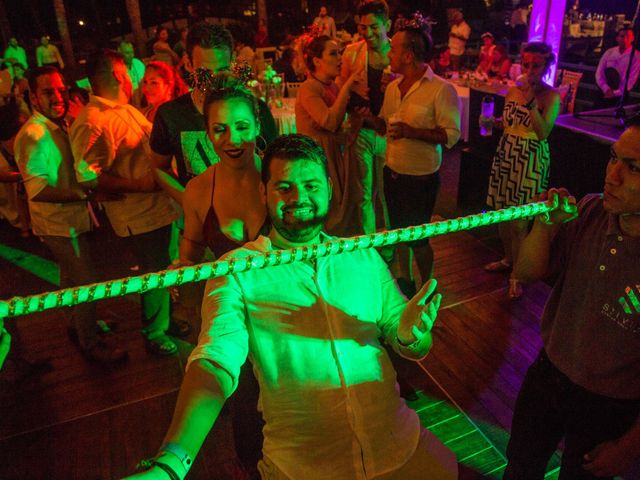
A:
{"points": [[115, 288]]}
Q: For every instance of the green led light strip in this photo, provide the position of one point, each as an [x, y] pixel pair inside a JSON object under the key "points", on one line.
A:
{"points": [[166, 278]]}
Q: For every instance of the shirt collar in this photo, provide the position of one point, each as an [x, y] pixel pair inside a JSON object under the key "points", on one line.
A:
{"points": [[428, 75], [103, 101], [613, 225], [51, 125]]}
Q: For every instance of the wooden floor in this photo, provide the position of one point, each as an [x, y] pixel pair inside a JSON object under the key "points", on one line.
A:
{"points": [[63, 418]]}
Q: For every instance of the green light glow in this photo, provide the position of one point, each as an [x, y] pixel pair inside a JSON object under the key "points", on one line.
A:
{"points": [[124, 286], [38, 266]]}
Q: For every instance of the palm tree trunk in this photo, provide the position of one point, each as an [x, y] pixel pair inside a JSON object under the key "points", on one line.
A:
{"points": [[262, 13], [63, 29], [5, 26], [133, 9]]}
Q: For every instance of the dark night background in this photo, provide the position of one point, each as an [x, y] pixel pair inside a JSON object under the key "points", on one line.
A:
{"points": [[106, 19]]}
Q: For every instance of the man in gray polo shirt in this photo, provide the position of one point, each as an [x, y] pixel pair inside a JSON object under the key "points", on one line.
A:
{"points": [[584, 386]]}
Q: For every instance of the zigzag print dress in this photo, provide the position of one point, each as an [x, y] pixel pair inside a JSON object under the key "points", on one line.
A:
{"points": [[520, 167]]}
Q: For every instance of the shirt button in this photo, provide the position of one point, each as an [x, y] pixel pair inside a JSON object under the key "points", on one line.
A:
{"points": [[602, 268], [619, 238], [613, 251]]}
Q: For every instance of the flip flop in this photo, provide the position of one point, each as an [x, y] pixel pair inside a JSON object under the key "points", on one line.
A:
{"points": [[160, 345]]}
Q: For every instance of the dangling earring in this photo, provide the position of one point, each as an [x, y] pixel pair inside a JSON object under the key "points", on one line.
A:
{"points": [[261, 145]]}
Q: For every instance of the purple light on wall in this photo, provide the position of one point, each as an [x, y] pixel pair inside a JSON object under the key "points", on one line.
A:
{"points": [[546, 26]]}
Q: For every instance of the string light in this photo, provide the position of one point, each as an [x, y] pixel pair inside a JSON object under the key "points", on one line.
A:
{"points": [[166, 278]]}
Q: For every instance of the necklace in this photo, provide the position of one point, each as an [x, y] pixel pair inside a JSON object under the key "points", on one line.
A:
{"points": [[324, 83]]}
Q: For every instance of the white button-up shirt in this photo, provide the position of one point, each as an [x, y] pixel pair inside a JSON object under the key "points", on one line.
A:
{"points": [[327, 387], [43, 155], [620, 61], [430, 102], [112, 138]]}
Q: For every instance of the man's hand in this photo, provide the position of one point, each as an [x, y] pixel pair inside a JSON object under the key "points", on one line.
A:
{"points": [[419, 316], [566, 209], [608, 459], [399, 130]]}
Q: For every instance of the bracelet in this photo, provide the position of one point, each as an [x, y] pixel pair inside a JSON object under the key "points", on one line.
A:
{"points": [[180, 453], [529, 106], [166, 469], [147, 463]]}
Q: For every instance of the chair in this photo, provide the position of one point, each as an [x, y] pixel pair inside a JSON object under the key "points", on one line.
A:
{"points": [[568, 89], [292, 88]]}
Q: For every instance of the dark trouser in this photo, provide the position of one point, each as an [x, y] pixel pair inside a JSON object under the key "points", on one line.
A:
{"points": [[410, 200], [151, 251], [76, 268], [551, 407]]}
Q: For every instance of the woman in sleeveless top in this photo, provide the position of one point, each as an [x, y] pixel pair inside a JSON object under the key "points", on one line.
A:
{"points": [[321, 109], [223, 209], [521, 164], [223, 206]]}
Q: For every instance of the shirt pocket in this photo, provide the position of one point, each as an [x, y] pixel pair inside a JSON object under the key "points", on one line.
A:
{"points": [[419, 115]]}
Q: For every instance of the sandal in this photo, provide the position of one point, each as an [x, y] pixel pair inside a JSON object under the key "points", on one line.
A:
{"points": [[515, 289], [160, 345], [498, 267]]}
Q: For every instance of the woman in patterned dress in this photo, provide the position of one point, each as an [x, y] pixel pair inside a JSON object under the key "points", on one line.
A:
{"points": [[521, 164]]}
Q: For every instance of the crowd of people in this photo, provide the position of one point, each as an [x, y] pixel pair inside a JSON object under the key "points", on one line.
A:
{"points": [[316, 357]]}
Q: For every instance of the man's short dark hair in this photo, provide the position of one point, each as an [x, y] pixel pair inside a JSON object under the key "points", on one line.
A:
{"points": [[206, 35], [35, 73], [418, 41], [291, 148], [379, 8], [101, 63]]}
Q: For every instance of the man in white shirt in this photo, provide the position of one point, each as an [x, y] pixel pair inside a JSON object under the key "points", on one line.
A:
{"points": [[612, 69], [48, 54], [326, 23], [368, 149], [458, 36], [110, 142], [420, 114], [328, 391], [135, 68], [58, 205]]}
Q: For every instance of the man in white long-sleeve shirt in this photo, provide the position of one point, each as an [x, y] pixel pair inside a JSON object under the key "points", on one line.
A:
{"points": [[327, 387], [612, 69]]}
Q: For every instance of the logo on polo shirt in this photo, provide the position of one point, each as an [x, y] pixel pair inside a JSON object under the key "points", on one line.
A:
{"points": [[630, 302], [626, 312]]}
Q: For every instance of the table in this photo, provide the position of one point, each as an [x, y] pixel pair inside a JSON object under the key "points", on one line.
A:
{"points": [[463, 88], [285, 116], [463, 102]]}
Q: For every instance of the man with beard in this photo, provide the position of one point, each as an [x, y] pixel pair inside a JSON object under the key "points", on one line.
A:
{"points": [[58, 205], [311, 330]]}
